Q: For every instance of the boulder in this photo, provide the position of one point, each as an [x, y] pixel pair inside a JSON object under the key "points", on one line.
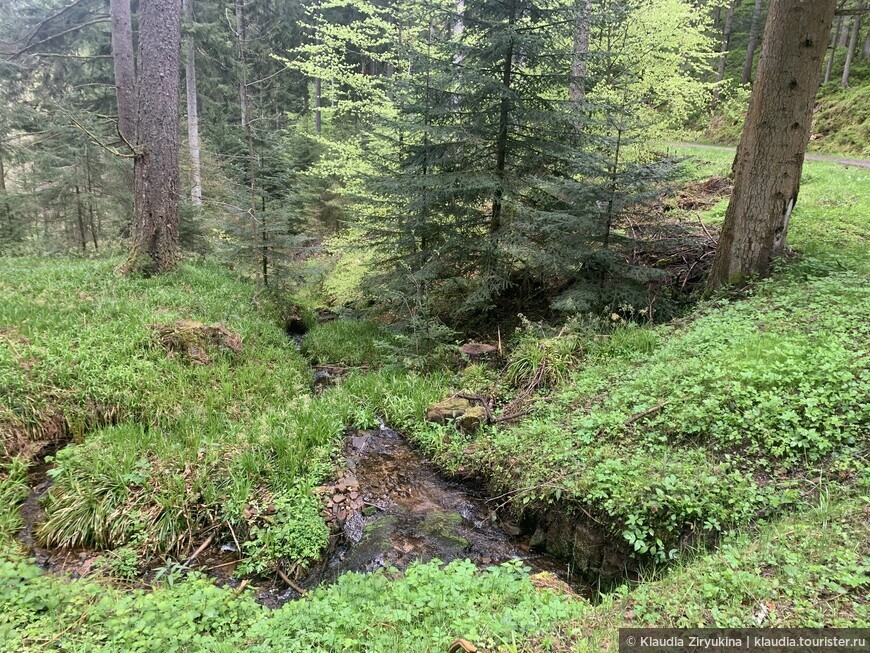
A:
{"points": [[447, 409], [477, 350], [472, 419]]}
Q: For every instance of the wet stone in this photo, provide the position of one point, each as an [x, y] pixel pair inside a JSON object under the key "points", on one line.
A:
{"points": [[395, 508]]}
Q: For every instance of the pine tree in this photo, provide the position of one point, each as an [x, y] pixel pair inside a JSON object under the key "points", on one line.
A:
{"points": [[506, 185]]}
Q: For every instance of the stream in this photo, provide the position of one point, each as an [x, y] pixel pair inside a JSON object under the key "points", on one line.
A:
{"points": [[393, 507]]}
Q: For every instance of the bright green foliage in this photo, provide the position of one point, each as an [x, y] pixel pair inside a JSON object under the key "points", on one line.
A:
{"points": [[193, 445], [753, 392], [296, 532], [13, 490], [423, 610], [345, 342]]}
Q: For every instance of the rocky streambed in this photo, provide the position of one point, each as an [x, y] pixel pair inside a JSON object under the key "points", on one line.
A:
{"points": [[390, 507]]}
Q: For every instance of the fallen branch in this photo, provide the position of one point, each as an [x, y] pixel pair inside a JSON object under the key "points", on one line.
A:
{"points": [[649, 411], [479, 399], [508, 418], [293, 586], [199, 549]]}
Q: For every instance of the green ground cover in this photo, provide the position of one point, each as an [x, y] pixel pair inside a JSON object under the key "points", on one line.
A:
{"points": [[752, 475]]}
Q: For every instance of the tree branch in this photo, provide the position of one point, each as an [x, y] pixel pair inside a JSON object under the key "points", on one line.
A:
{"points": [[97, 140], [101, 19], [58, 14]]}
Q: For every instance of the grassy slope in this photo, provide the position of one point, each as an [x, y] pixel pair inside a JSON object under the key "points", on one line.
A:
{"points": [[757, 396], [806, 565], [841, 119], [165, 448]]}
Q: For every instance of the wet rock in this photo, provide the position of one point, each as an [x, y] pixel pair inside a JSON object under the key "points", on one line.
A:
{"points": [[478, 350], [472, 419], [322, 379], [447, 410]]}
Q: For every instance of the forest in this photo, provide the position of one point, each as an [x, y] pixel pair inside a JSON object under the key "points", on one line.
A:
{"points": [[431, 325]]}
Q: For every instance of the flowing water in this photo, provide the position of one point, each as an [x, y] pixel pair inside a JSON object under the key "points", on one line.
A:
{"points": [[393, 507]]}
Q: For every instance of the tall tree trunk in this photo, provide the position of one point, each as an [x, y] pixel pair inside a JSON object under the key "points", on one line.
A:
{"points": [[853, 42], [579, 51], [192, 109], [767, 167], [458, 28], [155, 166], [318, 103], [835, 40], [80, 220], [246, 123], [723, 50], [90, 189], [754, 29], [7, 211], [865, 51], [125, 70], [503, 126]]}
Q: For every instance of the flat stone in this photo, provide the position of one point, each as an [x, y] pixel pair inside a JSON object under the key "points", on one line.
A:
{"points": [[447, 409], [477, 349], [472, 419]]}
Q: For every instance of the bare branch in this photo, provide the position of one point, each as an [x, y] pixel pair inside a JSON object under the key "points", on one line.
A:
{"points": [[101, 19]]}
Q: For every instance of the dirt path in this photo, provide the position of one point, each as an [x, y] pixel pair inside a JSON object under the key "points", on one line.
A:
{"points": [[843, 161]]}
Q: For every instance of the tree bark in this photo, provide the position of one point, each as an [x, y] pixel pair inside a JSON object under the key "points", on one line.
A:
{"points": [[80, 220], [723, 50], [155, 165], [754, 29], [90, 189], [125, 69], [249, 136], [835, 40], [580, 49], [853, 42], [770, 156], [7, 212], [504, 117], [192, 109]]}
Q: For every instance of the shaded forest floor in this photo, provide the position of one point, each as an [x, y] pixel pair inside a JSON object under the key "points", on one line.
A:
{"points": [[720, 458]]}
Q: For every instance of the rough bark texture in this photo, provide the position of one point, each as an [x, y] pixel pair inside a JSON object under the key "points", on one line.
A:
{"points": [[853, 42], [155, 166], [577, 88], [767, 167], [192, 110], [754, 29], [125, 71]]}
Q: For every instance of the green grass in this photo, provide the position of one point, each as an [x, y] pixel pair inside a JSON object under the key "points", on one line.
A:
{"points": [[354, 343], [751, 399], [757, 455], [164, 449], [422, 610]]}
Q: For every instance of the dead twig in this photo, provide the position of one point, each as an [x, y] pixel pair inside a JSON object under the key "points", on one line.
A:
{"points": [[293, 586], [199, 549], [649, 411]]}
